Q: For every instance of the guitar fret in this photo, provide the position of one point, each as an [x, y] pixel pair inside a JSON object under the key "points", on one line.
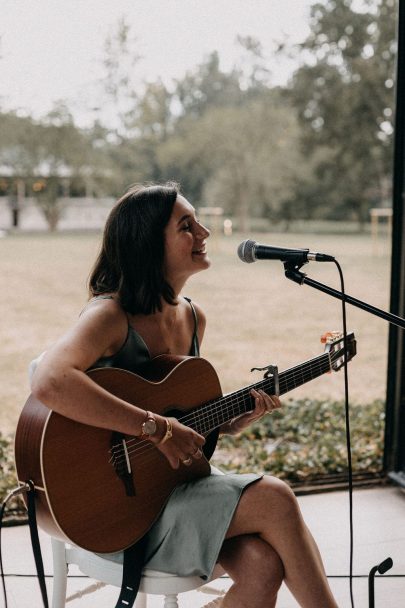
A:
{"points": [[213, 414]]}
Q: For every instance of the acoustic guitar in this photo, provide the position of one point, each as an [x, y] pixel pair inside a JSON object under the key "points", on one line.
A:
{"points": [[103, 490]]}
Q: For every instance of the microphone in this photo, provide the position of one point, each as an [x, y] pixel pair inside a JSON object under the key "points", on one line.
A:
{"points": [[251, 251]]}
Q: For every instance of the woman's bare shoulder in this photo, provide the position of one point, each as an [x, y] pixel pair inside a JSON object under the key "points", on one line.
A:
{"points": [[106, 315], [201, 319], [104, 308], [100, 330]]}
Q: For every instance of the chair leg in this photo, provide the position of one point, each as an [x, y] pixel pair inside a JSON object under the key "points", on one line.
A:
{"points": [[59, 574], [141, 600], [171, 601]]}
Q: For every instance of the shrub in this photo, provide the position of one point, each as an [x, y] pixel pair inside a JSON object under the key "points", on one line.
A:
{"points": [[307, 439], [8, 478]]}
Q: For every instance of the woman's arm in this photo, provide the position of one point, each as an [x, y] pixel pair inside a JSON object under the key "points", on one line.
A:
{"points": [[60, 382]]}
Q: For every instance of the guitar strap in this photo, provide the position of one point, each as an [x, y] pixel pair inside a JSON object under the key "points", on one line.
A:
{"points": [[134, 559], [36, 547]]}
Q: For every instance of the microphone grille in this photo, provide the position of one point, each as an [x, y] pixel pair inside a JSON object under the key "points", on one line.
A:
{"points": [[246, 251]]}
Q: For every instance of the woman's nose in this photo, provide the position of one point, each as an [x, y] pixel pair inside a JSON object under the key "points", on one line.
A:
{"points": [[203, 231]]}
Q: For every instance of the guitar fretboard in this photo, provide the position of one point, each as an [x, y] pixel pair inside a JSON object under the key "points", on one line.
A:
{"points": [[213, 414]]}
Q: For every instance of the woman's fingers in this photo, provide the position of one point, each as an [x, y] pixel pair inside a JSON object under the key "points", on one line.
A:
{"points": [[265, 403], [183, 447]]}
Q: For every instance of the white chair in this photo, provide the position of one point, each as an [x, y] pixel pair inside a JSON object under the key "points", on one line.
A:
{"points": [[110, 573]]}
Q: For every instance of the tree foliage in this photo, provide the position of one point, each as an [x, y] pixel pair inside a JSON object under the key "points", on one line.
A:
{"points": [[320, 147], [344, 97]]}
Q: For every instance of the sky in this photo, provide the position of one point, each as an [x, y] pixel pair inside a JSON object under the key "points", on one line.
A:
{"points": [[52, 49]]}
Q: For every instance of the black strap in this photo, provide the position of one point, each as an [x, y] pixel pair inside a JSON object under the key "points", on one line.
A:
{"points": [[36, 547], [19, 490], [3, 582], [134, 559], [195, 344]]}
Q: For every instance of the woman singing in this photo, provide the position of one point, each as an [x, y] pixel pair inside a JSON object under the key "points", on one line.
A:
{"points": [[250, 524]]}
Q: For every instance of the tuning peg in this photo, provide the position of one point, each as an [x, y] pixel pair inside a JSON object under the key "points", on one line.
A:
{"points": [[330, 336]]}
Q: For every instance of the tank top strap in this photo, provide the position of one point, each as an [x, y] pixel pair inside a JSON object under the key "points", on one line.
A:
{"points": [[195, 344]]}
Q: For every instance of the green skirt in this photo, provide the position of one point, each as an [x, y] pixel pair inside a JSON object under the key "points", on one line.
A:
{"points": [[188, 536]]}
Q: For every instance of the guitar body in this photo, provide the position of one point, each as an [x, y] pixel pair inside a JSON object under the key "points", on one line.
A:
{"points": [[103, 490], [80, 497]]}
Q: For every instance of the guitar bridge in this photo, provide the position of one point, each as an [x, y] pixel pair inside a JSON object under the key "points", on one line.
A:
{"points": [[121, 462]]}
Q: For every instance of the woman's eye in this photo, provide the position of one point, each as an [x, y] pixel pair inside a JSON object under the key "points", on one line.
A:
{"points": [[186, 226]]}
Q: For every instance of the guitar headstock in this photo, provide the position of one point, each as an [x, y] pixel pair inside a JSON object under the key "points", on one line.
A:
{"points": [[334, 346]]}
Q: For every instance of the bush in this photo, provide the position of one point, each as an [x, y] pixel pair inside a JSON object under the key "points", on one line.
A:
{"points": [[307, 439], [8, 477]]}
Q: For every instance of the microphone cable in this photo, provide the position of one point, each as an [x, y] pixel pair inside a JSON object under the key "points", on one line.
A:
{"points": [[348, 441]]}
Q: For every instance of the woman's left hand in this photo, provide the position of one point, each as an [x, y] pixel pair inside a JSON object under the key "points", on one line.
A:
{"points": [[264, 404]]}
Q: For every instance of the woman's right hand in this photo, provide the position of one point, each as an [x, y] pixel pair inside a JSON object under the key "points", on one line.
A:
{"points": [[184, 445]]}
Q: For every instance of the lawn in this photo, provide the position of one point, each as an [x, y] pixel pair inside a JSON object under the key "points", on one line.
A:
{"points": [[255, 315]]}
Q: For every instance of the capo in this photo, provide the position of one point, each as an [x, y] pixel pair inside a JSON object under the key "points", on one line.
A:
{"points": [[271, 371]]}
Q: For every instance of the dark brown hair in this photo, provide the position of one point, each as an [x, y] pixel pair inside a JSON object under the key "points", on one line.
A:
{"points": [[130, 262]]}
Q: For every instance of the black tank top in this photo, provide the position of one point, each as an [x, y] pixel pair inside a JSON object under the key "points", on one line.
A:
{"points": [[134, 353]]}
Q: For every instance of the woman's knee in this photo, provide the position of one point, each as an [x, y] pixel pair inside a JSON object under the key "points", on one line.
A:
{"points": [[252, 563], [266, 505], [275, 495]]}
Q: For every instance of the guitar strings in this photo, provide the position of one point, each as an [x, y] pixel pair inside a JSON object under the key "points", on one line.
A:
{"points": [[228, 401], [118, 455], [146, 446], [283, 379]]}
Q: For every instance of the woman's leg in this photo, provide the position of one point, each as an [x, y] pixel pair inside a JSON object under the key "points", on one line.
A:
{"points": [[269, 508], [256, 570]]}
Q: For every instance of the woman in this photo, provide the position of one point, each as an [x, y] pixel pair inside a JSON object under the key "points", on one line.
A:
{"points": [[152, 244]]}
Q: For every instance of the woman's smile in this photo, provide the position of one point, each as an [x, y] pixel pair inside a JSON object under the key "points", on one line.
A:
{"points": [[201, 251]]}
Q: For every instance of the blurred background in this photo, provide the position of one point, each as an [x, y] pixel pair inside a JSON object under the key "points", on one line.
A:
{"points": [[276, 117]]}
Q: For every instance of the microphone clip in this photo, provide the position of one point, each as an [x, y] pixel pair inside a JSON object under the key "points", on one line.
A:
{"points": [[271, 372], [292, 271]]}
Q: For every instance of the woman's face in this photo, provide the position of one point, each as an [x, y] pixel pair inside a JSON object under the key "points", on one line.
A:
{"points": [[185, 239]]}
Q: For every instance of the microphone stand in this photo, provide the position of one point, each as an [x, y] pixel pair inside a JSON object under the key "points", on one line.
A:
{"points": [[292, 272]]}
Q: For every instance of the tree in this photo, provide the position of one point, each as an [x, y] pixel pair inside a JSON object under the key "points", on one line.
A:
{"points": [[19, 156], [242, 158], [207, 86], [254, 75], [63, 153], [119, 86], [344, 96]]}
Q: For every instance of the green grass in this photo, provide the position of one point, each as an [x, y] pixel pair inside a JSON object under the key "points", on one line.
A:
{"points": [[255, 315]]}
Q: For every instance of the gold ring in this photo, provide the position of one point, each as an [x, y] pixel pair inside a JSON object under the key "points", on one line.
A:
{"points": [[188, 461]]}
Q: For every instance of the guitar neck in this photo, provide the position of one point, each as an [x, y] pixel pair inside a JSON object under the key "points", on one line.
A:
{"points": [[214, 414]]}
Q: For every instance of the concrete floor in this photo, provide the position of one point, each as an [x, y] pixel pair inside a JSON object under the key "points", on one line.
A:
{"points": [[379, 524]]}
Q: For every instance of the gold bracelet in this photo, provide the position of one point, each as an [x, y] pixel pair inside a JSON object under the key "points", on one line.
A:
{"points": [[168, 434]]}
